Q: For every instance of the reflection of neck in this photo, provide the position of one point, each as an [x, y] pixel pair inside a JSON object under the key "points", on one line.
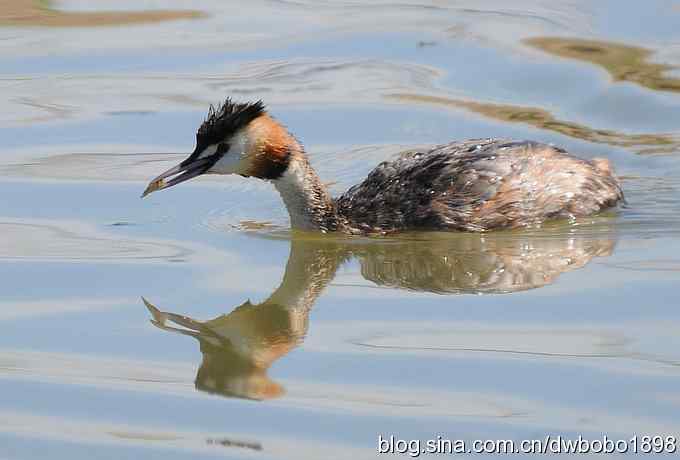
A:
{"points": [[309, 269]]}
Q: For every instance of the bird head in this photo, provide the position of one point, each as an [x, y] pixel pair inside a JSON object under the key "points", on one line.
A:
{"points": [[235, 138]]}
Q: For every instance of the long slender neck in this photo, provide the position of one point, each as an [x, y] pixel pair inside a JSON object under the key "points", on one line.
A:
{"points": [[308, 202]]}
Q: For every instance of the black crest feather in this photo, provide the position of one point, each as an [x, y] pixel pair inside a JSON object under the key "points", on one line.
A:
{"points": [[225, 120]]}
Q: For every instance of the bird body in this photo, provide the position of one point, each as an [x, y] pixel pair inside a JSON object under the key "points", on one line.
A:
{"points": [[474, 185], [479, 185]]}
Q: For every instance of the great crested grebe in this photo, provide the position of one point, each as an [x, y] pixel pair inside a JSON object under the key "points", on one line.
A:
{"points": [[474, 185]]}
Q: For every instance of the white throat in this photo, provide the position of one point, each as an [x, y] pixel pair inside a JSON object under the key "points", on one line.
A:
{"points": [[293, 187], [305, 198]]}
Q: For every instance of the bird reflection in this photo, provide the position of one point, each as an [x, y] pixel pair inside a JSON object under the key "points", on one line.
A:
{"points": [[238, 348]]}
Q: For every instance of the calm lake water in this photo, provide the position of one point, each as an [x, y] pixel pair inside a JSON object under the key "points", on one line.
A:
{"points": [[253, 342]]}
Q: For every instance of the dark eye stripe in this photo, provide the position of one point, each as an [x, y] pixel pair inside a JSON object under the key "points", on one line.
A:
{"points": [[222, 148]]}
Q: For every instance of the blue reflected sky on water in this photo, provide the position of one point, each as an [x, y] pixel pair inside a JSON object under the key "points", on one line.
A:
{"points": [[593, 350]]}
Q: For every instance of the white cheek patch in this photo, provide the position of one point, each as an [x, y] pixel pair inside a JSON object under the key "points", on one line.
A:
{"points": [[236, 160], [209, 150], [230, 164], [238, 143]]}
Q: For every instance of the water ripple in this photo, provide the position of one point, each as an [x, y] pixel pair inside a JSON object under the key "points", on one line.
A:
{"points": [[72, 241]]}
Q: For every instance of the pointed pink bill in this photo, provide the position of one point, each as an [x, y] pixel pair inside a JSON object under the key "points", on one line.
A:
{"points": [[184, 171]]}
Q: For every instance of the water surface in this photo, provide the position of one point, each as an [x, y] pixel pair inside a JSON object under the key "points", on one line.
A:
{"points": [[194, 324]]}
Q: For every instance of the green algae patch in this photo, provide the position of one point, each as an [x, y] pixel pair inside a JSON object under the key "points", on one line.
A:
{"points": [[622, 62]]}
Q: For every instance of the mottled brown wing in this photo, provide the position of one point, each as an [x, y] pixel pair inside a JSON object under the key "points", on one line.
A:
{"points": [[532, 183], [478, 185]]}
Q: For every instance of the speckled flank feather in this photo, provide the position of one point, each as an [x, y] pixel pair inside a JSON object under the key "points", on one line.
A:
{"points": [[478, 185]]}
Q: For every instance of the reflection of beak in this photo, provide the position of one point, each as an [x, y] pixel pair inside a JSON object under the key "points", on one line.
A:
{"points": [[184, 171]]}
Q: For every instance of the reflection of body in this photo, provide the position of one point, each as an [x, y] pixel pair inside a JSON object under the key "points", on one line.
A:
{"points": [[238, 348], [474, 264]]}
